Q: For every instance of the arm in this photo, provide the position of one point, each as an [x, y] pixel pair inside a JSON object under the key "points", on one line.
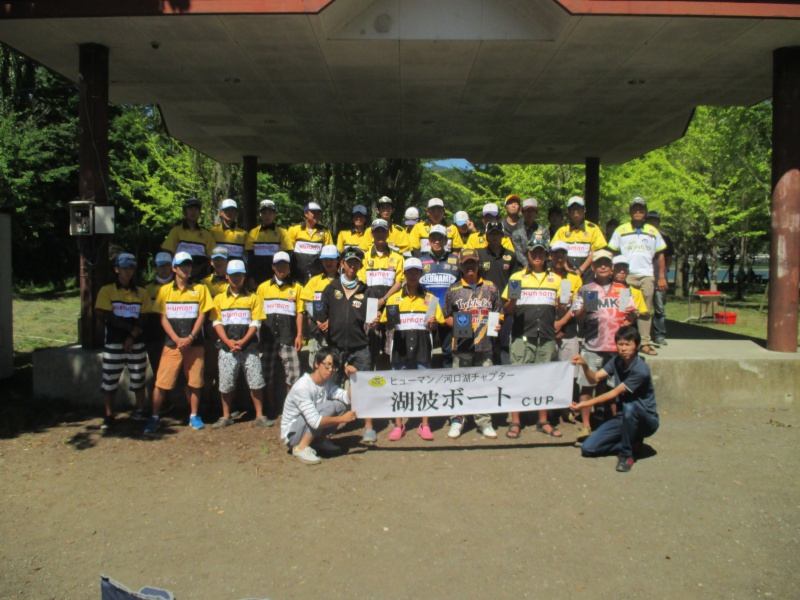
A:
{"points": [[510, 306], [662, 273], [298, 341], [610, 395], [179, 342], [591, 376], [218, 327]]}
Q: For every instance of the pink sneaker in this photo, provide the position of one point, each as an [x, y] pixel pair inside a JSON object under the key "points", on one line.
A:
{"points": [[397, 433], [425, 433]]}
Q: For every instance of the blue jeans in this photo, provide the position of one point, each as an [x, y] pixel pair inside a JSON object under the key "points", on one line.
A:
{"points": [[659, 316], [617, 436], [410, 365]]}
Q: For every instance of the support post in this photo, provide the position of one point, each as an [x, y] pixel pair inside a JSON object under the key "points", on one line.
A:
{"points": [[249, 191], [592, 192], [784, 250], [93, 175]]}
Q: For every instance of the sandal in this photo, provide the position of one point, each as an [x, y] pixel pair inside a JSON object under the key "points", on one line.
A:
{"points": [[648, 350], [553, 431], [513, 430]]}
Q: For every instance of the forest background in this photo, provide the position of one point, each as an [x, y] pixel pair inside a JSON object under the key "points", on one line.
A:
{"points": [[712, 186]]}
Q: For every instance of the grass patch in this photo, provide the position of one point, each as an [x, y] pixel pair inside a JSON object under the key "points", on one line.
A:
{"points": [[45, 322]]}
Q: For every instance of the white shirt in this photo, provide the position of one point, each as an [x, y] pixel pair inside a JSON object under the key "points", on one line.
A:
{"points": [[304, 398]]}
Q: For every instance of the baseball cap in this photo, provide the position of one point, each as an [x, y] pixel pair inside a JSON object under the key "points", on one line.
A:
{"points": [[559, 246], [602, 254], [219, 252], [329, 251], [228, 203], [537, 242], [491, 209], [180, 258], [280, 257], [530, 203], [639, 201], [468, 254], [125, 260], [494, 226], [236, 266], [435, 202], [653, 214], [380, 223], [353, 253], [619, 260], [384, 200], [360, 209], [311, 206], [461, 217], [412, 215], [266, 204], [575, 200], [192, 202], [512, 198], [162, 258], [440, 229], [412, 263]]}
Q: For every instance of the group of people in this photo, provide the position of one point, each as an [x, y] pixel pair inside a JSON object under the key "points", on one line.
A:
{"points": [[384, 296]]}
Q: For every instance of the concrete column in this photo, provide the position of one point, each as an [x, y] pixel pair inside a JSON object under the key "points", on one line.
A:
{"points": [[592, 192], [784, 250], [93, 180], [6, 314], [249, 210]]}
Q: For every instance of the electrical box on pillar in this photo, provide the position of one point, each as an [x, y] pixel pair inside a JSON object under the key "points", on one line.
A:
{"points": [[87, 218]]}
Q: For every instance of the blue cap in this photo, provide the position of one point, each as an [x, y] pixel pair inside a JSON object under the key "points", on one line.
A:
{"points": [[125, 260], [236, 266], [329, 251], [360, 209]]}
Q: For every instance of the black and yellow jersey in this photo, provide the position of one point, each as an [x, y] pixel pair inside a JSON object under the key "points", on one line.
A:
{"points": [[124, 309], [412, 339], [215, 284], [281, 305], [418, 238], [398, 239], [350, 238], [477, 241], [265, 242], [312, 291], [580, 240], [381, 272], [182, 308], [236, 313], [306, 245], [197, 242], [234, 239], [535, 312]]}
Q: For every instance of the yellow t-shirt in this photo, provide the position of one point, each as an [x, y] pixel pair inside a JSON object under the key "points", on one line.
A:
{"points": [[236, 240], [418, 239], [477, 241], [197, 242], [382, 271]]}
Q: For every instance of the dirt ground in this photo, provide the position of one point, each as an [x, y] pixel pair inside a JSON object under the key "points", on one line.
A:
{"points": [[712, 512]]}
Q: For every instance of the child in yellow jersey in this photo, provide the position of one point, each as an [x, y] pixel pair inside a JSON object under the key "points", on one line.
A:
{"points": [[228, 235], [356, 236], [306, 241], [415, 313], [123, 306], [282, 332], [237, 316], [153, 331], [267, 239], [312, 297], [218, 280], [189, 237]]}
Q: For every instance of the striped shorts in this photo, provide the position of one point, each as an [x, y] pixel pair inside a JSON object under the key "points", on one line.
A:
{"points": [[287, 355], [115, 359]]}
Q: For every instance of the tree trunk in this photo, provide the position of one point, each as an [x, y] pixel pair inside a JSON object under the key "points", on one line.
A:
{"points": [[679, 283], [741, 283], [713, 264]]}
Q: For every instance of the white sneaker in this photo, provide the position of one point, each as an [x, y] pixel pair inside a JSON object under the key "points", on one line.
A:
{"points": [[455, 429], [326, 446], [306, 455], [487, 431]]}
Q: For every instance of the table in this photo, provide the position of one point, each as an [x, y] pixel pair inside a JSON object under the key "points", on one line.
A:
{"points": [[704, 303]]}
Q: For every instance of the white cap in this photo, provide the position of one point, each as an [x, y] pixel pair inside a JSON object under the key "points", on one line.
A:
{"points": [[266, 204], [384, 200], [575, 200], [281, 257], [437, 229], [312, 206], [530, 203], [461, 217], [380, 223], [412, 263], [619, 260], [435, 202], [162, 258], [559, 246], [329, 251], [180, 258], [228, 203], [236, 266], [491, 209], [412, 214]]}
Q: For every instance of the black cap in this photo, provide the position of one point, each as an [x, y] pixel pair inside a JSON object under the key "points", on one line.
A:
{"points": [[353, 253], [653, 214], [192, 202], [494, 226]]}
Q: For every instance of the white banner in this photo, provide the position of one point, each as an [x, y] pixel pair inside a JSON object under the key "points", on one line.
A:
{"points": [[464, 391]]}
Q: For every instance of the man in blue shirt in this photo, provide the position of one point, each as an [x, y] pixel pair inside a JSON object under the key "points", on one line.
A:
{"points": [[638, 418]]}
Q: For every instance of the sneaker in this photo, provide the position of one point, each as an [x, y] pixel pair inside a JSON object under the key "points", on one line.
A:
{"points": [[306, 455], [487, 431], [369, 437], [326, 446], [455, 429], [263, 421], [107, 423], [661, 342], [397, 433], [624, 464], [583, 433], [138, 415], [425, 433], [222, 423], [196, 422], [152, 425]]}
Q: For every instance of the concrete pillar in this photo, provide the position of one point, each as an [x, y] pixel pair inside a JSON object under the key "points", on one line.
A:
{"points": [[784, 250], [93, 180], [249, 212], [6, 314], [592, 192]]}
